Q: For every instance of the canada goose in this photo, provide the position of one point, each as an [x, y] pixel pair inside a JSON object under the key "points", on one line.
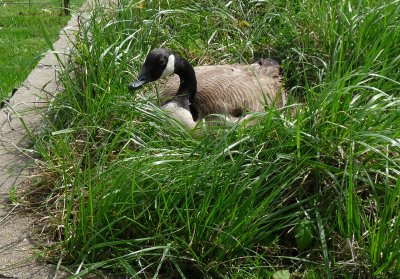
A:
{"points": [[231, 90]]}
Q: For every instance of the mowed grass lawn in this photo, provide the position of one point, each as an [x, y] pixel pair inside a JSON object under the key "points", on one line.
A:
{"points": [[22, 41], [310, 190]]}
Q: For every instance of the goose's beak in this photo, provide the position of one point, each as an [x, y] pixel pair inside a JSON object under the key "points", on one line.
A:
{"points": [[138, 83]]}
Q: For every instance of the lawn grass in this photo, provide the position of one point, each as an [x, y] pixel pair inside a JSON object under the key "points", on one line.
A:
{"points": [[22, 42], [310, 191]]}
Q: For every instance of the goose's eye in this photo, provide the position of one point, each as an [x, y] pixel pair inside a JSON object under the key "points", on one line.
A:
{"points": [[163, 62]]}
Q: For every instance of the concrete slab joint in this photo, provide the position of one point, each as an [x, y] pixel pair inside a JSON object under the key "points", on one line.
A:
{"points": [[25, 110]]}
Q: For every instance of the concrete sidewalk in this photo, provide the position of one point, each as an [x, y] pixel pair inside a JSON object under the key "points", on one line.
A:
{"points": [[25, 109]]}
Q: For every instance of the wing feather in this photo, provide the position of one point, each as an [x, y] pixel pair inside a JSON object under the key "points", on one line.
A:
{"points": [[227, 89]]}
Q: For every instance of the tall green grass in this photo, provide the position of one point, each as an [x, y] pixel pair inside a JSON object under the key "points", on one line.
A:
{"points": [[311, 190]]}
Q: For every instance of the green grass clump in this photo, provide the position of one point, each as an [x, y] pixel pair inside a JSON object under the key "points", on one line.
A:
{"points": [[22, 42], [310, 190]]}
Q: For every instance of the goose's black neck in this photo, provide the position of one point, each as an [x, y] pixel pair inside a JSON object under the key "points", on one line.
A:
{"points": [[188, 83]]}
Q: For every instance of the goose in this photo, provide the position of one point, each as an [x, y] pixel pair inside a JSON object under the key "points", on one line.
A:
{"points": [[195, 93]]}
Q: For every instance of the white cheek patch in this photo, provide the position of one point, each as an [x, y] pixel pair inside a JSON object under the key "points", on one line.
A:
{"points": [[169, 70]]}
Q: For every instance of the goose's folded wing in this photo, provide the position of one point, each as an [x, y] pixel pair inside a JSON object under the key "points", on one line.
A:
{"points": [[232, 88]]}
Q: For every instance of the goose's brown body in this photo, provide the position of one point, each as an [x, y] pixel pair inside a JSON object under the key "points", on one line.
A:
{"points": [[228, 90], [233, 89]]}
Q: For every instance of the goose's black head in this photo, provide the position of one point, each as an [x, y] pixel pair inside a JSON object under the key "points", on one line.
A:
{"points": [[159, 63]]}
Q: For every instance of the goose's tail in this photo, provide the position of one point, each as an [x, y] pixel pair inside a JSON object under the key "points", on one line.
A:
{"points": [[276, 71], [267, 62]]}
